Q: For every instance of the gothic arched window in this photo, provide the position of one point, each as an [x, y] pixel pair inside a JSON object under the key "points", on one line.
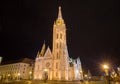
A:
{"points": [[57, 36], [60, 36], [56, 65], [60, 44], [57, 45], [57, 56]]}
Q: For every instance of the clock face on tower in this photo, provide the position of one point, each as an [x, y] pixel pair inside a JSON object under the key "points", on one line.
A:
{"points": [[47, 64]]}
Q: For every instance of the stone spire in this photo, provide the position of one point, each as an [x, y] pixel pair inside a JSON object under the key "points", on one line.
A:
{"points": [[37, 55], [43, 49], [59, 13], [78, 61]]}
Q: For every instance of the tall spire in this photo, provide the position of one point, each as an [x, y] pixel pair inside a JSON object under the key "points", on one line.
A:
{"points": [[43, 49], [59, 13], [38, 55]]}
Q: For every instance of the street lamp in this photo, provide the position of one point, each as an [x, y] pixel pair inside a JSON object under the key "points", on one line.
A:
{"points": [[107, 75], [30, 74], [8, 76], [106, 68], [86, 77], [18, 75], [45, 70], [81, 74]]}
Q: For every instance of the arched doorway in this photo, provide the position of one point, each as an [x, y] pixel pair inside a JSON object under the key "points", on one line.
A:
{"points": [[45, 74]]}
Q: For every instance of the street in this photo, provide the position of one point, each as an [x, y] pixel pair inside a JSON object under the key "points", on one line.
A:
{"points": [[54, 82]]}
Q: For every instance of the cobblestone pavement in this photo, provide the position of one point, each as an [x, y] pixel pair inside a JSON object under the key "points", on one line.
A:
{"points": [[55, 82]]}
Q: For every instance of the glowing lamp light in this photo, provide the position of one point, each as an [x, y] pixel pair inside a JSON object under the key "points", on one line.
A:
{"points": [[105, 66], [30, 72], [40, 77], [80, 71], [77, 71], [18, 74], [45, 70], [8, 74], [85, 75]]}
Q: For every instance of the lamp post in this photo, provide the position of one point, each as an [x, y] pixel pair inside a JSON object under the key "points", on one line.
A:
{"points": [[18, 76], [86, 77], [107, 74], [8, 76], [30, 74], [81, 74]]}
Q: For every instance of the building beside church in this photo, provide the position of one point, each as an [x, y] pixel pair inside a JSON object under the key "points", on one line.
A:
{"points": [[56, 64], [16, 69]]}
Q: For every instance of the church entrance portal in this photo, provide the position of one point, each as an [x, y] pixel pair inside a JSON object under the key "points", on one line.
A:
{"points": [[45, 74]]}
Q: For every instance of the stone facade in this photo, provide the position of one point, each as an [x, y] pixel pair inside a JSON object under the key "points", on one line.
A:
{"points": [[16, 70], [56, 64]]}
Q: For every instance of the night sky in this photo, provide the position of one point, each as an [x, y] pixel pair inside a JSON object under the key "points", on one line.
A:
{"points": [[93, 31]]}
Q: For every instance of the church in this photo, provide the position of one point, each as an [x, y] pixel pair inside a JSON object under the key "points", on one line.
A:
{"points": [[56, 64]]}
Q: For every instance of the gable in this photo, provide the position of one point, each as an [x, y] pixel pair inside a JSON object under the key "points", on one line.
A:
{"points": [[48, 53]]}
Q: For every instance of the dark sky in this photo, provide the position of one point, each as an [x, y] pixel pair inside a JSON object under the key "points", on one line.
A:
{"points": [[93, 32]]}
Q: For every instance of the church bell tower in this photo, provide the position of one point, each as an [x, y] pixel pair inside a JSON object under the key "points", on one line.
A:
{"points": [[59, 51]]}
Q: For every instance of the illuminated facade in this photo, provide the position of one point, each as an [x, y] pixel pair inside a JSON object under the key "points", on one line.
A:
{"points": [[57, 65], [16, 71]]}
